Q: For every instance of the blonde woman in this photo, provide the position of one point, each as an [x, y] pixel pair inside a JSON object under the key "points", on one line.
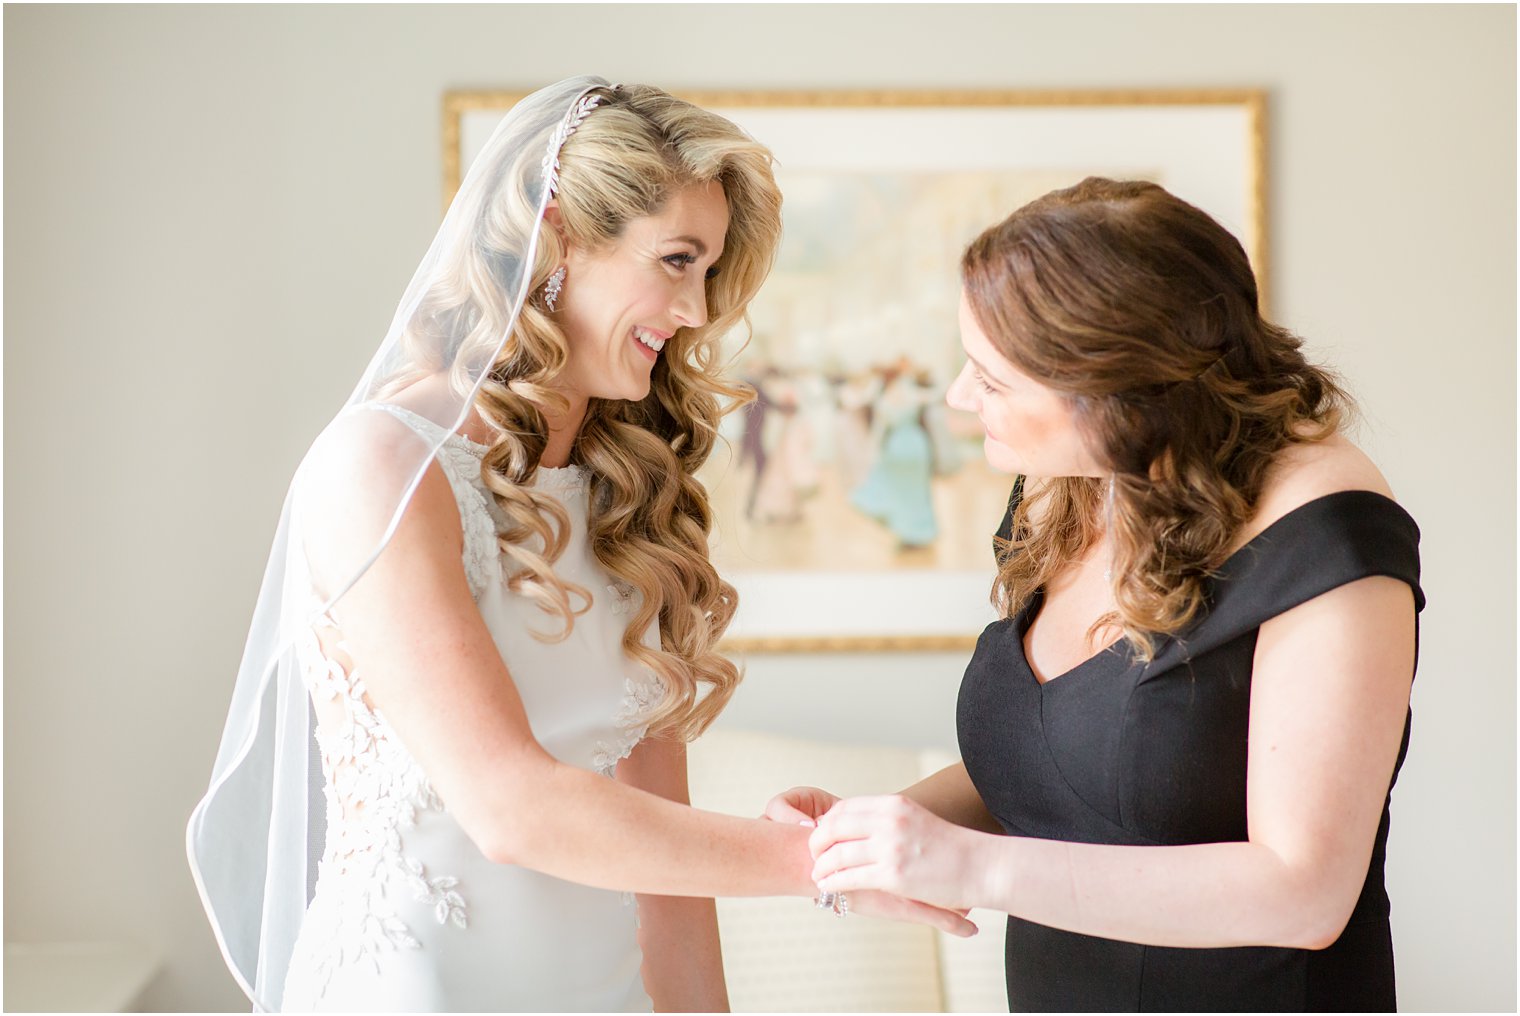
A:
{"points": [[1179, 743], [490, 592]]}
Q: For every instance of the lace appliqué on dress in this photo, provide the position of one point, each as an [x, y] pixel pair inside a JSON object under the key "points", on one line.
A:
{"points": [[639, 698], [374, 789], [622, 597]]}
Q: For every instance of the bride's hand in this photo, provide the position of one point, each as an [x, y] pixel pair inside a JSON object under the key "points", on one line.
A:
{"points": [[880, 904], [800, 805]]}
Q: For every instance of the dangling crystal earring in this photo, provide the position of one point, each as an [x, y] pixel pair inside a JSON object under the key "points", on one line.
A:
{"points": [[1108, 528], [553, 286]]}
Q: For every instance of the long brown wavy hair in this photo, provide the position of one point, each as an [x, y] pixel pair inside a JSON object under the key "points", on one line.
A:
{"points": [[1142, 311], [649, 517]]}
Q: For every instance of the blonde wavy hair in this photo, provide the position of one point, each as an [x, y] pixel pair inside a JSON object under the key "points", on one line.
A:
{"points": [[1142, 311], [649, 517]]}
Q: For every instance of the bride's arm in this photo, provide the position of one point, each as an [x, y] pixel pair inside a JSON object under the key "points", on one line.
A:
{"points": [[431, 666], [683, 962]]}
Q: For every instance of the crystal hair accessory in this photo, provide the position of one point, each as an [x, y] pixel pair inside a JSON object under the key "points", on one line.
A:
{"points": [[567, 127]]}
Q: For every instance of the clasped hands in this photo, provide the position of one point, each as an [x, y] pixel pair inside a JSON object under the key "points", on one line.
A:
{"points": [[893, 856]]}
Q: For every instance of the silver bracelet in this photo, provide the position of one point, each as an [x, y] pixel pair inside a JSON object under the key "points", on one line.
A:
{"points": [[839, 903]]}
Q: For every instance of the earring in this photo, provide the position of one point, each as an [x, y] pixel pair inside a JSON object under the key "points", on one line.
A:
{"points": [[553, 286], [1108, 528]]}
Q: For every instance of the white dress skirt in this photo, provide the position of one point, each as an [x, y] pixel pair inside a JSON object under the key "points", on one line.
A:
{"points": [[407, 914]]}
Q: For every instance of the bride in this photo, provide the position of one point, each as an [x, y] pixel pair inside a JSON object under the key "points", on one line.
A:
{"points": [[490, 592]]}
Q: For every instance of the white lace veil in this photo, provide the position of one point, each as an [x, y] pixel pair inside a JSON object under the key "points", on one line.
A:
{"points": [[254, 839]]}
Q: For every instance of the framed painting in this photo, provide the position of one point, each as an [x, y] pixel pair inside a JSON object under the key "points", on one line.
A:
{"points": [[854, 510]]}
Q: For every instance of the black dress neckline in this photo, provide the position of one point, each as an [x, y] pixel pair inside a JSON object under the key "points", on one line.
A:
{"points": [[1119, 650]]}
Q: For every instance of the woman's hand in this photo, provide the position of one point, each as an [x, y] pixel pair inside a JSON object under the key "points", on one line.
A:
{"points": [[897, 846], [800, 805], [895, 908], [803, 806]]}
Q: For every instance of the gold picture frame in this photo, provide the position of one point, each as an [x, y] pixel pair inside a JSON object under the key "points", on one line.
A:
{"points": [[1253, 101], [1207, 145]]}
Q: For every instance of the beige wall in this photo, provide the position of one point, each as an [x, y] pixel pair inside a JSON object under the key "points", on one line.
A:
{"points": [[195, 196]]}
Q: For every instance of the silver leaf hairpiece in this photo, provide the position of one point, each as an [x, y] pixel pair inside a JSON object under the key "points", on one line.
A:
{"points": [[573, 119]]}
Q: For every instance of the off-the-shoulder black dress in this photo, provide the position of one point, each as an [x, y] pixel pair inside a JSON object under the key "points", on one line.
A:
{"points": [[1117, 752]]}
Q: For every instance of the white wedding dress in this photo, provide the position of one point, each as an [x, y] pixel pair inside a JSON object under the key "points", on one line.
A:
{"points": [[407, 914]]}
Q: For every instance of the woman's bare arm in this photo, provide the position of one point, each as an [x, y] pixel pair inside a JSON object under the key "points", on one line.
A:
{"points": [[951, 795], [1330, 687], [683, 961]]}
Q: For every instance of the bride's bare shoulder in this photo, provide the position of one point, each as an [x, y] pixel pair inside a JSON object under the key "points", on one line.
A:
{"points": [[382, 434], [363, 464], [364, 438], [358, 471]]}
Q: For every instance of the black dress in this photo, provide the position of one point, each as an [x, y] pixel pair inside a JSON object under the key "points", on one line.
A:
{"points": [[1117, 752]]}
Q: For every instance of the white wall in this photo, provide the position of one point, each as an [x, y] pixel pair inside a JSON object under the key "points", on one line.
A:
{"points": [[196, 195]]}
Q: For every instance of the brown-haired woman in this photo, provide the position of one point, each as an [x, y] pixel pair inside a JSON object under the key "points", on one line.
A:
{"points": [[1185, 728]]}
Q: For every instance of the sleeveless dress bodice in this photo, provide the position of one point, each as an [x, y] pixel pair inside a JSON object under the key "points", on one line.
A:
{"points": [[1117, 751], [406, 913]]}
